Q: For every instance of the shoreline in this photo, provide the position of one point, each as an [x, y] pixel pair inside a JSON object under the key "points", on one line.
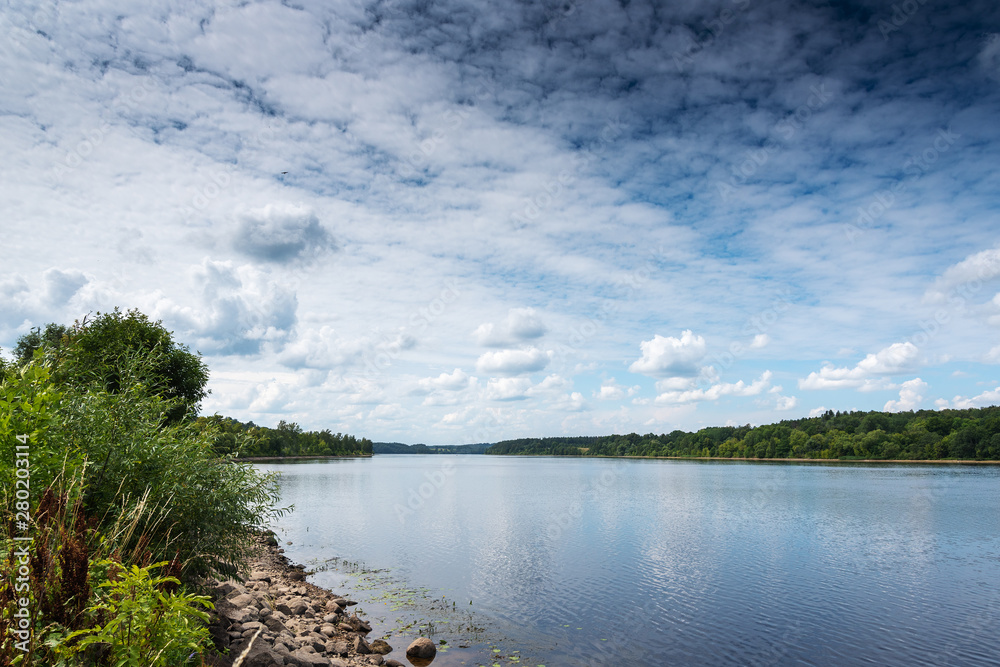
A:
{"points": [[274, 617], [754, 460], [303, 457]]}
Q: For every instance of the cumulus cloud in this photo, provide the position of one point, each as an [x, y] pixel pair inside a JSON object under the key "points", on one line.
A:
{"points": [[666, 355], [520, 325], [760, 341], [513, 362], [867, 374], [910, 396], [507, 389], [457, 379], [717, 391], [786, 403], [817, 412], [281, 234], [240, 309], [985, 399], [612, 391]]}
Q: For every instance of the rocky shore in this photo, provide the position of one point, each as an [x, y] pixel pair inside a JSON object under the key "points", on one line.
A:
{"points": [[275, 618]]}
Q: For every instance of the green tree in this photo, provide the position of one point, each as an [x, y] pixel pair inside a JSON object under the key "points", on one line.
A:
{"points": [[92, 351]]}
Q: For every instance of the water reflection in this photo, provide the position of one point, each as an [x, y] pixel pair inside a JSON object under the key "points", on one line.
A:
{"points": [[606, 562]]}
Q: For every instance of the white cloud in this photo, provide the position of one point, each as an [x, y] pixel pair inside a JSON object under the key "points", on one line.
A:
{"points": [[966, 277], [507, 389], [521, 324], [993, 356], [457, 379], [817, 412], [513, 362], [666, 355], [717, 391], [281, 234], [786, 403], [760, 341], [910, 396], [893, 360], [985, 399], [612, 391], [271, 397]]}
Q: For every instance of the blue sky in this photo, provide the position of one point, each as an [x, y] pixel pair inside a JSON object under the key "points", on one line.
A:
{"points": [[453, 222]]}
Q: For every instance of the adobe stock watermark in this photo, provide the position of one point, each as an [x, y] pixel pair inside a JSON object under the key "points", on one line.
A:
{"points": [[901, 14], [553, 189], [221, 179], [390, 349], [93, 139], [786, 128], [21, 620], [914, 167], [636, 279], [595, 490], [418, 496], [714, 28]]}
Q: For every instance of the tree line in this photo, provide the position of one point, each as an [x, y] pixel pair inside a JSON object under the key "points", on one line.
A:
{"points": [[971, 434], [248, 440]]}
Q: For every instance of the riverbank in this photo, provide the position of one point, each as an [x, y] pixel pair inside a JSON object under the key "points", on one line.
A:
{"points": [[273, 618], [310, 457]]}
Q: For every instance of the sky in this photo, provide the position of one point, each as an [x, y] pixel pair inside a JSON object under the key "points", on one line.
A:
{"points": [[447, 222]]}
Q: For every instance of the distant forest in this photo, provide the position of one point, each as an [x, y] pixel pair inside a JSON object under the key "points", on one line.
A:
{"points": [[400, 448], [926, 434], [288, 439]]}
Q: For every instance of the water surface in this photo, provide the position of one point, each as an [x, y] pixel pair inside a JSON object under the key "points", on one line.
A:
{"points": [[617, 562]]}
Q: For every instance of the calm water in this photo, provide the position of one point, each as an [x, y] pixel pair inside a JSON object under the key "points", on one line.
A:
{"points": [[609, 562]]}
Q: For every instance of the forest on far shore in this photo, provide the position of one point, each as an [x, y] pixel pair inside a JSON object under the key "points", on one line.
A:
{"points": [[971, 434]]}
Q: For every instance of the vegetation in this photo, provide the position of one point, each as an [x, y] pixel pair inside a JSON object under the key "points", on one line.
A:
{"points": [[972, 434], [105, 465], [239, 440], [400, 448]]}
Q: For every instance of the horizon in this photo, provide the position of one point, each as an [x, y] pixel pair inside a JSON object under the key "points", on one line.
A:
{"points": [[411, 221]]}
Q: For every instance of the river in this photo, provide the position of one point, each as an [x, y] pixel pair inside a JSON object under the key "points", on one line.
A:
{"points": [[569, 561]]}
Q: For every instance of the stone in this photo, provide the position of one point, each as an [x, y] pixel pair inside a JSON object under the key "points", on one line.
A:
{"points": [[375, 659], [346, 627], [361, 646], [260, 655], [394, 663], [306, 659], [242, 600], [328, 630], [274, 624], [338, 648], [381, 647], [421, 647], [337, 662], [298, 606], [260, 575]]}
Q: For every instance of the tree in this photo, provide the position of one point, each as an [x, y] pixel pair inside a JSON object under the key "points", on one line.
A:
{"points": [[93, 353]]}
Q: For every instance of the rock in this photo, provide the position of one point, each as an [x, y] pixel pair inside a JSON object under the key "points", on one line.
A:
{"points": [[298, 606], [306, 659], [346, 627], [260, 575], [361, 646], [375, 659], [337, 662], [381, 647], [241, 600], [421, 647], [330, 618], [394, 663], [275, 625], [260, 655], [338, 648], [328, 630]]}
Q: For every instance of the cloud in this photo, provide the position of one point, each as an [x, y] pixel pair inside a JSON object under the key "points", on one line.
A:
{"points": [[240, 309], [760, 341], [717, 391], [966, 277], [454, 381], [786, 403], [507, 389], [987, 398], [910, 396], [513, 362], [612, 391], [989, 56], [817, 412], [993, 356], [893, 360], [671, 356], [281, 234], [520, 325]]}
